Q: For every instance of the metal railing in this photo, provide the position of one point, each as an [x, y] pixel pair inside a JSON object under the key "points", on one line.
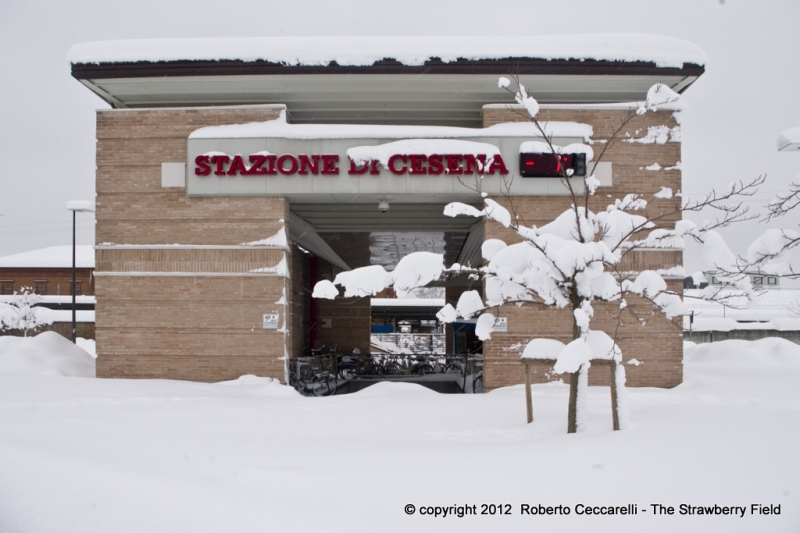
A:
{"points": [[465, 370]]}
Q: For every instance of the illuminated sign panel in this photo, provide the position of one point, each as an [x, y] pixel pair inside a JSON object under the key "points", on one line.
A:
{"points": [[552, 165]]}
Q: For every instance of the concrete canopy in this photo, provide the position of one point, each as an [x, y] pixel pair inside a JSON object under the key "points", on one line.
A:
{"points": [[387, 90]]}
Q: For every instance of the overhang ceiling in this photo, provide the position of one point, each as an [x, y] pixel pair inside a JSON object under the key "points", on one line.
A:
{"points": [[386, 248], [348, 218], [355, 235]]}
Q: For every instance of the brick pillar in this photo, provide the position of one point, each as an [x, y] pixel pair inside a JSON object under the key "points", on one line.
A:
{"points": [[658, 345]]}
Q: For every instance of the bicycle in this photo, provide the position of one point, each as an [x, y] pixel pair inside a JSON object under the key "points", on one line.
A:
{"points": [[352, 366], [477, 377], [455, 365], [310, 382], [421, 366], [477, 382]]}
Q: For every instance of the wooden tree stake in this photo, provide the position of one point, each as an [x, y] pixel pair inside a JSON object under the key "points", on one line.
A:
{"points": [[528, 399]]}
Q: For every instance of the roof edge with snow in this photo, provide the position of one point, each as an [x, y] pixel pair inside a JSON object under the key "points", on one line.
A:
{"points": [[560, 54], [382, 80], [51, 257]]}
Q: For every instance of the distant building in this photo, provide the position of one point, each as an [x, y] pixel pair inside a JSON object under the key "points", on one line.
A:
{"points": [[48, 271], [695, 281], [772, 314], [758, 280]]}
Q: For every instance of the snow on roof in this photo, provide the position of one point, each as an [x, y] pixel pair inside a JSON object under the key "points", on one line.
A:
{"points": [[365, 51], [52, 257], [279, 128], [789, 140], [729, 324], [772, 304], [81, 205], [698, 278]]}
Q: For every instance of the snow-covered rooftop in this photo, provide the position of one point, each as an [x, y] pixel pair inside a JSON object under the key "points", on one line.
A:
{"points": [[789, 140], [52, 257], [364, 51], [441, 81], [770, 305], [279, 128]]}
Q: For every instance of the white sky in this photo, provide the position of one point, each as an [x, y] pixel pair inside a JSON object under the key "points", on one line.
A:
{"points": [[746, 98]]}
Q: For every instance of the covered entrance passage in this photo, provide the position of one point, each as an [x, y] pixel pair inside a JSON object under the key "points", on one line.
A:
{"points": [[351, 343]]}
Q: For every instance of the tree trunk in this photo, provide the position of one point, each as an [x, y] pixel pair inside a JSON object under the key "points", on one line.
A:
{"points": [[572, 413], [572, 416], [614, 407], [528, 399]]}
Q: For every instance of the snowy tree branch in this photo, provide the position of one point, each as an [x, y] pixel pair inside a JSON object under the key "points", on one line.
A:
{"points": [[783, 203]]}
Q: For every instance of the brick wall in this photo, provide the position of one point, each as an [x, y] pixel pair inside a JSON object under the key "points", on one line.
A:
{"points": [[351, 319], [204, 328], [133, 208], [302, 286], [629, 159], [657, 345], [203, 260], [196, 313], [182, 313]]}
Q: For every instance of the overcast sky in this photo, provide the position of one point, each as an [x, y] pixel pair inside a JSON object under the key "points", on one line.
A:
{"points": [[749, 94]]}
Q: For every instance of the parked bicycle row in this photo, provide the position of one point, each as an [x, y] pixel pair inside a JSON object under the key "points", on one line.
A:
{"points": [[320, 373]]}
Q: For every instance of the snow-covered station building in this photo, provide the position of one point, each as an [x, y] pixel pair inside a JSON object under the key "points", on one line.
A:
{"points": [[233, 174]]}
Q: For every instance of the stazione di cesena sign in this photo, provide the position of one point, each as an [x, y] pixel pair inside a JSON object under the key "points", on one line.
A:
{"points": [[408, 169], [266, 164]]}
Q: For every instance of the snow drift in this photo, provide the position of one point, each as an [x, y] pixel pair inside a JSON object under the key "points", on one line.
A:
{"points": [[47, 354]]}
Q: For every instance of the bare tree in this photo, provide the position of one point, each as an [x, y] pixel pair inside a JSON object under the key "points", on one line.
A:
{"points": [[575, 259], [770, 253]]}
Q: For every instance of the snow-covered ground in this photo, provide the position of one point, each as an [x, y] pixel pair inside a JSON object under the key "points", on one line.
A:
{"points": [[83, 454]]}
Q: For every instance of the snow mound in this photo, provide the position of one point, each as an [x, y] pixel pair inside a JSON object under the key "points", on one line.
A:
{"points": [[543, 349], [87, 345], [771, 352], [384, 389], [47, 354], [262, 386], [248, 379]]}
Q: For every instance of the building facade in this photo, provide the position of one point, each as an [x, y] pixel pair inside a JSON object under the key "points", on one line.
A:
{"points": [[226, 188], [48, 271]]}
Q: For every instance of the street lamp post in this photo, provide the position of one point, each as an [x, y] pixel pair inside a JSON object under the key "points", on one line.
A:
{"points": [[76, 206]]}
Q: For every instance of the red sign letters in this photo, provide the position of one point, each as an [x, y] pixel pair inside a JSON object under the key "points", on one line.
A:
{"points": [[328, 165]]}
